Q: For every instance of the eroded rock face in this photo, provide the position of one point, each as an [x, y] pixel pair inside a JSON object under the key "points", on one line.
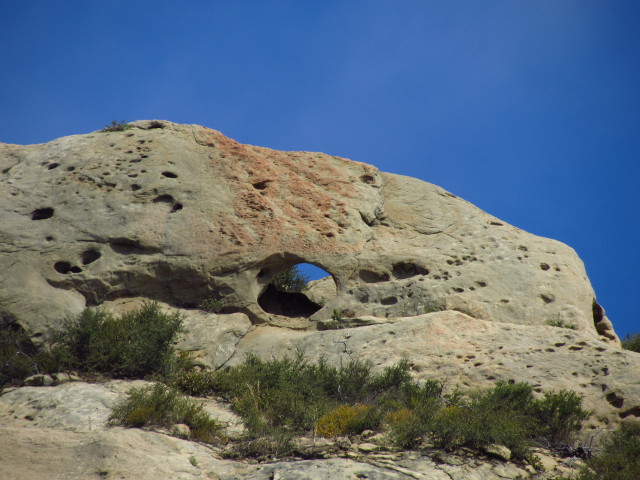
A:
{"points": [[180, 213]]}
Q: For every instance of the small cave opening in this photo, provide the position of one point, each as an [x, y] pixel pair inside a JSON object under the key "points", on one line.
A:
{"points": [[295, 292]]}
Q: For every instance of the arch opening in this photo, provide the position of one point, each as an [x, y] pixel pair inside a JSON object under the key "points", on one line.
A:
{"points": [[295, 291]]}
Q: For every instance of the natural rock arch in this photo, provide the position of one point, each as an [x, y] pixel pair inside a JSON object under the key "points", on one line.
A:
{"points": [[277, 301]]}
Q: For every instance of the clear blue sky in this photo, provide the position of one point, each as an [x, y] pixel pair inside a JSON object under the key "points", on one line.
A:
{"points": [[528, 109]]}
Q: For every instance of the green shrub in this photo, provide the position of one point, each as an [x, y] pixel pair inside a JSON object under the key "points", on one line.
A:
{"points": [[558, 321], [194, 383], [276, 442], [477, 425], [117, 126], [632, 342], [293, 393], [161, 406], [133, 345], [560, 415], [406, 429], [620, 457], [212, 304], [20, 358], [508, 414], [291, 280], [343, 420], [283, 397]]}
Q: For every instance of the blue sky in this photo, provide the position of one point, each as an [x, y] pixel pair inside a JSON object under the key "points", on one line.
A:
{"points": [[528, 109]]}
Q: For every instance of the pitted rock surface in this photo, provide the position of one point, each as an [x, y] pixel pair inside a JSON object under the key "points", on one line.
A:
{"points": [[180, 213]]}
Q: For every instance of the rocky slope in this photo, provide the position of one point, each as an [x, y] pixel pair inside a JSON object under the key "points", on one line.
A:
{"points": [[58, 433], [181, 214]]}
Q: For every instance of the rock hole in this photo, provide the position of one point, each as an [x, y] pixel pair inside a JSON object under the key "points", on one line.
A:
{"points": [[71, 168], [369, 276], [288, 292], [163, 199], [170, 174], [90, 256], [481, 284], [458, 290], [403, 270], [615, 400], [176, 207], [544, 266], [135, 187], [51, 166], [42, 213], [127, 246], [368, 179], [547, 298], [65, 268], [389, 301], [261, 185], [49, 238], [635, 412]]}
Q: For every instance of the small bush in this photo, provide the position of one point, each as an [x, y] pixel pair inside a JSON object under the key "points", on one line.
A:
{"points": [[343, 420], [509, 415], [134, 345], [276, 442], [117, 127], [406, 429], [291, 280], [212, 304], [194, 383], [560, 415], [620, 457], [20, 358], [476, 426], [558, 321], [632, 342], [161, 406]]}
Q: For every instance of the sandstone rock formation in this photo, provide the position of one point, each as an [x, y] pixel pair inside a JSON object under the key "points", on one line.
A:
{"points": [[180, 213]]}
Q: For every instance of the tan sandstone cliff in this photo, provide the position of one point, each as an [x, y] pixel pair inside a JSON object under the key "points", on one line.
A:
{"points": [[180, 214]]}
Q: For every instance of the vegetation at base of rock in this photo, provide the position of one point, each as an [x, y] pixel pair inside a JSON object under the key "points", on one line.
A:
{"points": [[212, 305], [120, 126], [632, 342], [133, 345], [619, 459], [283, 398], [158, 405], [20, 358], [343, 420], [558, 321], [291, 280]]}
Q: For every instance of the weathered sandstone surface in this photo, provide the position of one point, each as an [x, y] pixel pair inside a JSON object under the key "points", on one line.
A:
{"points": [[181, 214]]}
